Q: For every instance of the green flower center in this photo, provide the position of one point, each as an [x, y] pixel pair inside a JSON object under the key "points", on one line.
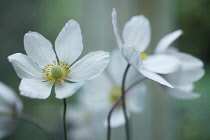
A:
{"points": [[56, 72]]}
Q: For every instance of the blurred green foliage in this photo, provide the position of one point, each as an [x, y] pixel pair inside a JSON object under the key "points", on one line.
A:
{"points": [[193, 18]]}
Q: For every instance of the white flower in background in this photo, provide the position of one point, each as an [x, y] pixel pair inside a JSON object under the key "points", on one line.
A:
{"points": [[10, 108], [40, 68], [101, 93], [136, 36], [190, 69]]}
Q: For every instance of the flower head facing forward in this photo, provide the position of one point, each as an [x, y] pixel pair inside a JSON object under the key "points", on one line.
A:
{"points": [[42, 67], [136, 38], [10, 108]]}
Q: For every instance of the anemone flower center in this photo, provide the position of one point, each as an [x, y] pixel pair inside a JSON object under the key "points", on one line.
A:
{"points": [[56, 72], [114, 94]]}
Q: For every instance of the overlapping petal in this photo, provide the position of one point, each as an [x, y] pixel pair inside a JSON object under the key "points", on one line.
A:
{"points": [[35, 88], [25, 67], [39, 49], [68, 44], [155, 77], [90, 66], [161, 63], [64, 90], [183, 95], [132, 55], [137, 32]]}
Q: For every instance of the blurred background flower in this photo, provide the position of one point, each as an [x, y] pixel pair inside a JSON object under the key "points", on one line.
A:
{"points": [[10, 108], [164, 118]]}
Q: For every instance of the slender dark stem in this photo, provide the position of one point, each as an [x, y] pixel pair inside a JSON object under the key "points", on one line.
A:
{"points": [[138, 80], [38, 123], [64, 118], [124, 104]]}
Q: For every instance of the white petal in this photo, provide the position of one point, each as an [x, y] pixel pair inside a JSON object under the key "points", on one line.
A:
{"points": [[116, 32], [162, 64], [185, 77], [25, 67], [90, 66], [136, 98], [117, 118], [188, 61], [9, 96], [68, 44], [39, 49], [35, 88], [164, 43], [185, 87], [116, 67], [96, 91], [182, 95], [155, 77], [64, 90], [137, 32], [132, 55]]}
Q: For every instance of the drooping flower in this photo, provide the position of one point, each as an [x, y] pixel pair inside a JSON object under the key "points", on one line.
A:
{"points": [[136, 36], [10, 108], [42, 67], [190, 69], [101, 93]]}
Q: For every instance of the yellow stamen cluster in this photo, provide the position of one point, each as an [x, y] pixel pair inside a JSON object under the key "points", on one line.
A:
{"points": [[114, 94], [56, 72], [143, 55]]}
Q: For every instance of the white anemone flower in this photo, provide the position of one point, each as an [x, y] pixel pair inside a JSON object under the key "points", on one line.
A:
{"points": [[136, 36], [10, 108], [42, 67], [190, 69], [101, 93]]}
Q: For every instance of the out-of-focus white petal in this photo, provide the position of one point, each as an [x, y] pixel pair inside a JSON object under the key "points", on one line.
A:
{"points": [[96, 91], [64, 90], [116, 67], [137, 32], [185, 87], [136, 98], [68, 44], [185, 77], [116, 32], [117, 118], [39, 49], [164, 43], [35, 88], [183, 95], [155, 77], [25, 67], [188, 61], [8, 96], [162, 64], [132, 55], [90, 66]]}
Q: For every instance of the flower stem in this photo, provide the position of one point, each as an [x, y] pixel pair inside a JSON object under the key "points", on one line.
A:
{"points": [[124, 103], [138, 80], [38, 123], [64, 119]]}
